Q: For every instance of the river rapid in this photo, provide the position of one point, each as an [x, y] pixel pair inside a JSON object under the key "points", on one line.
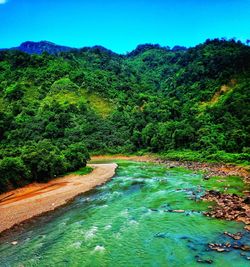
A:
{"points": [[147, 215]]}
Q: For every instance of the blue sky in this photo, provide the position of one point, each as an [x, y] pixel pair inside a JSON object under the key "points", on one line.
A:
{"points": [[121, 25]]}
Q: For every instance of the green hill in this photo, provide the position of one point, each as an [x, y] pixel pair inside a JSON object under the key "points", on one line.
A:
{"points": [[55, 109]]}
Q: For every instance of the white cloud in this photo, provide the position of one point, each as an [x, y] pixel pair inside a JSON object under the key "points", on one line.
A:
{"points": [[3, 2]]}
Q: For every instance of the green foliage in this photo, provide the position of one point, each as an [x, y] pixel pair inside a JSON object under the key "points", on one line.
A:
{"points": [[44, 160], [14, 91], [190, 104], [207, 155], [84, 171], [76, 155], [12, 172], [64, 84], [230, 185], [40, 162], [187, 155]]}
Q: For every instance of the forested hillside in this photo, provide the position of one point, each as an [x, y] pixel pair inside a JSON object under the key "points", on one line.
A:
{"points": [[56, 109]]}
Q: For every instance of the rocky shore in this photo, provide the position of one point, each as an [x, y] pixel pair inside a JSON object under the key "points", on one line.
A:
{"points": [[229, 207], [209, 169]]}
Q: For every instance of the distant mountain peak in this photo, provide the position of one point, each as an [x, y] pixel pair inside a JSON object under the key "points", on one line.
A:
{"points": [[43, 42], [31, 47]]}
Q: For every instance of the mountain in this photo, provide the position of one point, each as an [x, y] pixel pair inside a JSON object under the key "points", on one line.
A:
{"points": [[51, 48], [40, 47], [55, 109]]}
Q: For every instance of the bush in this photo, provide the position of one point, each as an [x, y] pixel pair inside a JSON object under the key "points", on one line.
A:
{"points": [[76, 156], [44, 160], [14, 91], [13, 173]]}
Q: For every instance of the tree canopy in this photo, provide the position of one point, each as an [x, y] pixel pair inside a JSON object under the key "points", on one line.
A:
{"points": [[55, 109]]}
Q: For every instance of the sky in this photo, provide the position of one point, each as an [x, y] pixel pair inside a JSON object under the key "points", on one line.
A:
{"points": [[120, 25]]}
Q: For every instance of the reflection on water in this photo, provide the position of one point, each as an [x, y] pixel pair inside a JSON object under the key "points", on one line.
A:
{"points": [[129, 221]]}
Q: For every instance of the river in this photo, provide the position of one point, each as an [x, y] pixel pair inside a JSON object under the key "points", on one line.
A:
{"points": [[131, 221]]}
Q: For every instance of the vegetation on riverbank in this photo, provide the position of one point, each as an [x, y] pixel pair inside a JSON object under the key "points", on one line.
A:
{"points": [[190, 104], [40, 162], [83, 171], [240, 159]]}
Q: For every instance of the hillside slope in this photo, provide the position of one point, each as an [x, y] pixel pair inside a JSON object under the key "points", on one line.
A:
{"points": [[152, 99]]}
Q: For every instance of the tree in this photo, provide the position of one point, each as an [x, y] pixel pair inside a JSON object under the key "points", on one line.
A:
{"points": [[13, 173], [76, 156], [14, 91], [44, 160]]}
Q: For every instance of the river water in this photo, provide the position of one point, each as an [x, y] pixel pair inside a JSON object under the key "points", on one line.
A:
{"points": [[129, 221]]}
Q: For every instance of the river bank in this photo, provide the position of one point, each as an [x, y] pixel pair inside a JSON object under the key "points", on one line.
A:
{"points": [[35, 199], [209, 169], [228, 206]]}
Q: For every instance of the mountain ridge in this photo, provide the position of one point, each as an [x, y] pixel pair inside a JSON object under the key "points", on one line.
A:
{"points": [[38, 47], [32, 47]]}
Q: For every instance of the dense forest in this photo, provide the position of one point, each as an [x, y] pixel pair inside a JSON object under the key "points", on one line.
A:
{"points": [[55, 109]]}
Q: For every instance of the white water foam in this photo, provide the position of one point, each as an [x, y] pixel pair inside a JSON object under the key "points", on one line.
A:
{"points": [[99, 248], [107, 227], [91, 233], [76, 244]]}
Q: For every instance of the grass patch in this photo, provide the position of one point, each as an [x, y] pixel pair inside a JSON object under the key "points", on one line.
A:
{"points": [[241, 159], [64, 98], [98, 103], [187, 155], [83, 171], [227, 185]]}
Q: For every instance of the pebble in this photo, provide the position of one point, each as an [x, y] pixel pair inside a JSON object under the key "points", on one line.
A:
{"points": [[219, 247], [245, 248], [205, 261], [236, 236], [179, 211], [247, 227]]}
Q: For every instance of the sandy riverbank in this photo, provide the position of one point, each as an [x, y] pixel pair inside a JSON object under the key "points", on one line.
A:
{"points": [[24, 203]]}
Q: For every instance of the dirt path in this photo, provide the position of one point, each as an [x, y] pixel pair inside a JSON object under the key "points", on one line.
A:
{"points": [[32, 200]]}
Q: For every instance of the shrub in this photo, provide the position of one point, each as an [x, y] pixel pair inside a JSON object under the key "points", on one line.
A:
{"points": [[44, 160], [76, 156], [13, 173], [14, 91]]}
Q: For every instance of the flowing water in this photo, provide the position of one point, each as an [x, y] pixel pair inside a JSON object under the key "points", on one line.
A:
{"points": [[128, 222]]}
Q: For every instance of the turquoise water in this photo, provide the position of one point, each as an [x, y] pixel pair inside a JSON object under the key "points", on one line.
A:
{"points": [[128, 222]]}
